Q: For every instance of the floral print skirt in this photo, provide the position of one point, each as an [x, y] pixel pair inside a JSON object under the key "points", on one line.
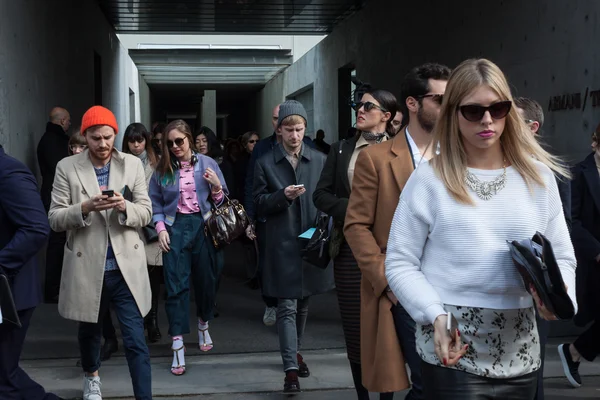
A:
{"points": [[502, 343]]}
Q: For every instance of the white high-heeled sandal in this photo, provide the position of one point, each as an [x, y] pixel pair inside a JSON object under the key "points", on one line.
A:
{"points": [[178, 369], [202, 344]]}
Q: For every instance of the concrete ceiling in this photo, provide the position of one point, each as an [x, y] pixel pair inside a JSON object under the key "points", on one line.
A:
{"points": [[210, 67], [291, 17]]}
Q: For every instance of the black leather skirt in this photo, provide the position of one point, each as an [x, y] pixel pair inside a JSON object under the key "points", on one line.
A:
{"points": [[441, 383]]}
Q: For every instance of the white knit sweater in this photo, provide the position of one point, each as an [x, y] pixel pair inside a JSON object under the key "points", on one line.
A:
{"points": [[444, 252]]}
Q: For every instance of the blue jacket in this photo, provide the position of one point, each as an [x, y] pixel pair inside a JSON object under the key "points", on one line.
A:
{"points": [[165, 198], [23, 230], [261, 148]]}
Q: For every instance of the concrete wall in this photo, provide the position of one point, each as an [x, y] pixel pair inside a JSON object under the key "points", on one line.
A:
{"points": [[545, 47], [47, 59]]}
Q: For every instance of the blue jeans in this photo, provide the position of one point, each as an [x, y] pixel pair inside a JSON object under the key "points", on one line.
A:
{"points": [[405, 329], [192, 257], [116, 292], [291, 320]]}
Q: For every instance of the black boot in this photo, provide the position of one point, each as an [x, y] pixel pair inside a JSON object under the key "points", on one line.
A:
{"points": [[151, 320], [361, 391]]}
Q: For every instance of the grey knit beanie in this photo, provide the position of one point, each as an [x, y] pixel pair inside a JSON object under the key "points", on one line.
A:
{"points": [[291, 107]]}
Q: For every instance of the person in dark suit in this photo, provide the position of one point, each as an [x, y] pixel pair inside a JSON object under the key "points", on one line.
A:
{"points": [[531, 111], [24, 229], [53, 147], [585, 210]]}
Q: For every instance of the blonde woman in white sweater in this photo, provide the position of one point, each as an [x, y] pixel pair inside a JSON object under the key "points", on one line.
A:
{"points": [[448, 251]]}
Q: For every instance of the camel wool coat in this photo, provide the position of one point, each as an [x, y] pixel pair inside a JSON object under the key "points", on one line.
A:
{"points": [[87, 240], [380, 174]]}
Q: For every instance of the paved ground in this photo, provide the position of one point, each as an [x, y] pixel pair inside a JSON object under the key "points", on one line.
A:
{"points": [[245, 363]]}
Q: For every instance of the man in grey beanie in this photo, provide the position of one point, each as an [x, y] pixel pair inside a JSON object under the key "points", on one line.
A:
{"points": [[263, 147], [284, 182]]}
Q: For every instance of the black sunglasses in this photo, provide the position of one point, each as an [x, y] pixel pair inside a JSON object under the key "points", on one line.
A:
{"points": [[252, 141], [368, 106], [179, 142], [438, 98], [133, 139], [475, 112]]}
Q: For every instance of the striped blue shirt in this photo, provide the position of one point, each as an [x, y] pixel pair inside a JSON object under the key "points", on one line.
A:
{"points": [[102, 176]]}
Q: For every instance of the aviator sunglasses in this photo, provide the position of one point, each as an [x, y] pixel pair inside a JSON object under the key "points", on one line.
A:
{"points": [[475, 112], [368, 106], [179, 142]]}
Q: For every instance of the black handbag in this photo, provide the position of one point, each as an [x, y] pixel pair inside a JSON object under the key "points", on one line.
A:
{"points": [[316, 250], [536, 263], [150, 234], [7, 303], [227, 223]]}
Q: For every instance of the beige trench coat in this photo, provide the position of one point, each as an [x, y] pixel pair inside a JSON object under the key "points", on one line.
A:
{"points": [[87, 240], [153, 252], [379, 177]]}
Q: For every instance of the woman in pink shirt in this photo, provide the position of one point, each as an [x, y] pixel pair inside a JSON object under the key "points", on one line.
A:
{"points": [[184, 189]]}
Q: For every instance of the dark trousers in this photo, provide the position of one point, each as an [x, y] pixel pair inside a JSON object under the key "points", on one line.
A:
{"points": [[405, 329], [587, 343], [54, 263], [291, 321], [192, 255], [115, 292], [15, 384], [451, 384], [543, 331], [108, 328]]}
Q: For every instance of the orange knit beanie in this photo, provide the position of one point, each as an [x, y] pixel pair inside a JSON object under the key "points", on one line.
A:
{"points": [[98, 115]]}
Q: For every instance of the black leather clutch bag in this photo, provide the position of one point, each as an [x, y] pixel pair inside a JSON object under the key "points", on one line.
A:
{"points": [[536, 263], [7, 303]]}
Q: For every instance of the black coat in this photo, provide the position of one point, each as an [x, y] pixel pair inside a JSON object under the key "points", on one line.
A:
{"points": [[585, 190], [53, 147], [24, 230], [333, 189], [280, 222]]}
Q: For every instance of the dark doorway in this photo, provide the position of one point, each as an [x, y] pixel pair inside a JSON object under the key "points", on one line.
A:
{"points": [[97, 79]]}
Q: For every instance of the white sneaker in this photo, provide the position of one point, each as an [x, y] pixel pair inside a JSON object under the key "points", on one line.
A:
{"points": [[91, 388], [270, 316]]}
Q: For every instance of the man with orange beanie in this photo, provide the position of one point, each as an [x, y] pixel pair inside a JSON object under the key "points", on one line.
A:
{"points": [[105, 261]]}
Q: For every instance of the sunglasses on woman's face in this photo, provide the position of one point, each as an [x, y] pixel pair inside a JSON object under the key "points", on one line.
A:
{"points": [[179, 142], [475, 112], [368, 106], [252, 141], [138, 139]]}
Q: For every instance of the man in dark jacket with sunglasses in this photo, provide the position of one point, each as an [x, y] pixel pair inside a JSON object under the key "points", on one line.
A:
{"points": [[24, 230]]}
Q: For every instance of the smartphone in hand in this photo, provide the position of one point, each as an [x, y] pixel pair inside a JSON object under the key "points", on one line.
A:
{"points": [[452, 325], [109, 193], [298, 186]]}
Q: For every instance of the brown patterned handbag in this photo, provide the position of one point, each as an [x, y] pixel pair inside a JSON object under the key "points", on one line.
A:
{"points": [[227, 223]]}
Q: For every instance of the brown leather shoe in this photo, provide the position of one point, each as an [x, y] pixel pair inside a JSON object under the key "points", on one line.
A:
{"points": [[303, 371], [291, 384]]}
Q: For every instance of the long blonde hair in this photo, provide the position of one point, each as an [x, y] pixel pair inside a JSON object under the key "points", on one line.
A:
{"points": [[520, 147]]}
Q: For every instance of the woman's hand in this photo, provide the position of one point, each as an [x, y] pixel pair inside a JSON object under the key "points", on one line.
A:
{"points": [[211, 177], [164, 241], [449, 349], [542, 310]]}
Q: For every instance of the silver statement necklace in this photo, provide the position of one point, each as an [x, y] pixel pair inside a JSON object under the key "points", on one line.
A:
{"points": [[486, 190]]}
